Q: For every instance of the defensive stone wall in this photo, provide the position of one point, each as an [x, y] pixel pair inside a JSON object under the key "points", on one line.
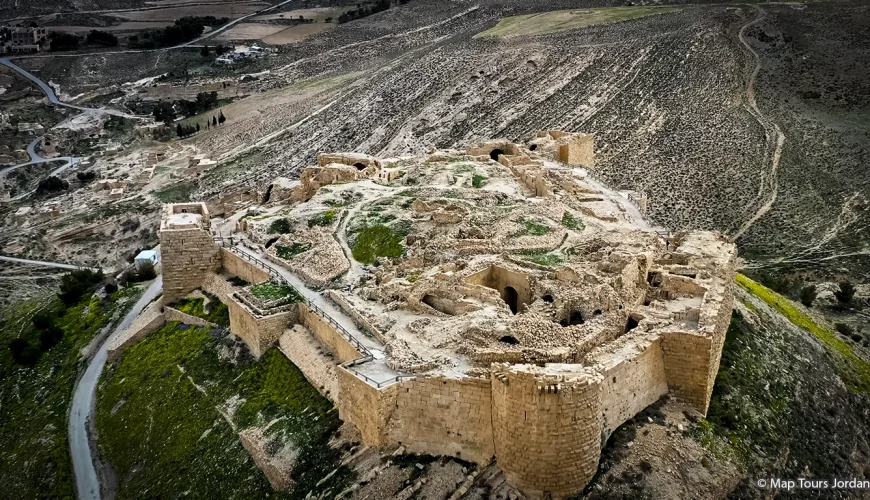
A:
{"points": [[327, 334], [216, 285], [365, 406], [688, 360], [237, 266], [148, 320], [634, 378], [259, 332], [187, 250], [442, 416], [313, 360], [172, 314], [547, 427]]}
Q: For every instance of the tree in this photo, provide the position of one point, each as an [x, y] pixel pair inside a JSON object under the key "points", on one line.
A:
{"points": [[328, 20], [64, 41], [808, 295], [51, 184], [104, 38], [197, 127], [146, 271], [221, 118], [164, 112], [845, 293], [205, 51], [74, 285], [213, 121]]}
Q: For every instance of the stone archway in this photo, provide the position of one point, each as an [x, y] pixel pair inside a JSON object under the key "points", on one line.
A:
{"points": [[511, 297], [359, 166], [495, 153]]}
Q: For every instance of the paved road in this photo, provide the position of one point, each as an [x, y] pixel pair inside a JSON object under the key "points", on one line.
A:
{"points": [[138, 51], [52, 98], [87, 483], [43, 263]]}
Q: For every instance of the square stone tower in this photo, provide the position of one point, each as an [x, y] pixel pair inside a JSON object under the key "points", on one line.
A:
{"points": [[187, 249]]}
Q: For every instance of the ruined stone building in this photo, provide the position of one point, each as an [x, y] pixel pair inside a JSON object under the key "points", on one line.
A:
{"points": [[492, 303]]}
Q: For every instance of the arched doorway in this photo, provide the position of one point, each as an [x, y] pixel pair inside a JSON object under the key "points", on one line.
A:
{"points": [[494, 154], [511, 297], [533, 147], [359, 166]]}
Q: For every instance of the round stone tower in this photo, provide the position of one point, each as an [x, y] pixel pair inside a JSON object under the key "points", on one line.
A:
{"points": [[547, 426]]}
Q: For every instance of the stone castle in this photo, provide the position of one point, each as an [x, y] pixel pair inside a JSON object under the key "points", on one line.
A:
{"points": [[496, 303]]}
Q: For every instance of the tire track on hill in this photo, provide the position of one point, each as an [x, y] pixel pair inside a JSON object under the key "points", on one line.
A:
{"points": [[774, 138]]}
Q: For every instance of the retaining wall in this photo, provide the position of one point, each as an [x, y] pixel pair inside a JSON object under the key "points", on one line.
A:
{"points": [[327, 334], [259, 332], [237, 266], [172, 314], [315, 362], [148, 320]]}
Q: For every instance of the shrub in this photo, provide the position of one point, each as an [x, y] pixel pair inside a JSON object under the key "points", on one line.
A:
{"points": [[808, 295], [478, 181], [76, 284], [280, 226], [844, 329], [323, 219], [845, 293], [531, 228], [23, 353], [572, 222], [293, 250], [146, 272], [50, 337]]}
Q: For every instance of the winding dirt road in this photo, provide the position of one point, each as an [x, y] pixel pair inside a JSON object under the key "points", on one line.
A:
{"points": [[774, 138]]}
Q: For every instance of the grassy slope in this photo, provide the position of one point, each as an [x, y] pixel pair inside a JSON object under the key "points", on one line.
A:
{"points": [[779, 408], [855, 370], [563, 20], [34, 452], [166, 438]]}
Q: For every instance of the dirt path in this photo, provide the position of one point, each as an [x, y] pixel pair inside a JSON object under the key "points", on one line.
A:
{"points": [[774, 138]]}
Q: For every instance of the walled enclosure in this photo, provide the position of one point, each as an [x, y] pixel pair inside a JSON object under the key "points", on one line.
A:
{"points": [[486, 347]]}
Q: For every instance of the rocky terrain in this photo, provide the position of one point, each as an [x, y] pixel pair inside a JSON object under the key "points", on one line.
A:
{"points": [[732, 118]]}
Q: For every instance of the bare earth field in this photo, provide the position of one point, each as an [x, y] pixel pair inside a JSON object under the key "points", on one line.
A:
{"points": [[170, 14], [250, 31]]}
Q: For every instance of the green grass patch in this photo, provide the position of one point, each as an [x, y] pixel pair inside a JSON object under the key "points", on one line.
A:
{"points": [[572, 222], [531, 228], [270, 291], [34, 400], [195, 306], [543, 259], [280, 226], [177, 193], [564, 20], [161, 428], [322, 219], [288, 252], [854, 369], [478, 181], [377, 241]]}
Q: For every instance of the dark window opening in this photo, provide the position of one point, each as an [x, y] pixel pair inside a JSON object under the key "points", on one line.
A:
{"points": [[630, 325], [272, 242], [597, 312], [547, 298], [511, 297], [654, 279], [268, 193], [576, 318], [509, 339], [494, 154], [533, 147], [359, 166]]}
